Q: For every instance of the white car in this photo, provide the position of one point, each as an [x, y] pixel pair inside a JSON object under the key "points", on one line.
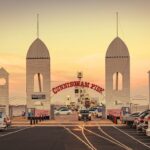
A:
{"points": [[63, 111], [4, 121]]}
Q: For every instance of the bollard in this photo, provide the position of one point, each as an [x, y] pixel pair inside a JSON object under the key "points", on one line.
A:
{"points": [[39, 118], [36, 118], [115, 119], [33, 120], [30, 120]]}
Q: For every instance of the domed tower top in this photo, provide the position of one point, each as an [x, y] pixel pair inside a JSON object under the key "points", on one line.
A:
{"points": [[38, 50], [117, 49]]}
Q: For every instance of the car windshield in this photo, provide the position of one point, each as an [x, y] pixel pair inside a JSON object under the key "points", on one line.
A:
{"points": [[144, 114], [62, 108], [135, 114], [92, 109], [84, 111]]}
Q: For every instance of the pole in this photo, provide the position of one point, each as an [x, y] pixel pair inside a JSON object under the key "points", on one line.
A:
{"points": [[117, 23], [80, 76], [149, 88]]}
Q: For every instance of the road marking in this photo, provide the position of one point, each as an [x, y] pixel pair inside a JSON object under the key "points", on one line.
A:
{"points": [[14, 132], [123, 145], [132, 137], [107, 139], [87, 139], [78, 138]]}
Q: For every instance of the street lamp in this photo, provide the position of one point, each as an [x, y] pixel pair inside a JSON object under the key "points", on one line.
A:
{"points": [[79, 76]]}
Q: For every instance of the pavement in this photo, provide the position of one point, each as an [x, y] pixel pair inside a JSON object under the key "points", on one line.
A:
{"points": [[69, 138], [65, 132], [60, 120]]}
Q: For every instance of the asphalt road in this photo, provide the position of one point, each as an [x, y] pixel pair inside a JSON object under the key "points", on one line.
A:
{"points": [[69, 138]]}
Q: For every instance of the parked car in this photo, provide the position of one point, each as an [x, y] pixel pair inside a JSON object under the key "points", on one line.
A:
{"points": [[140, 118], [84, 115], [62, 107], [5, 121], [145, 123], [129, 118], [143, 126], [63, 111]]}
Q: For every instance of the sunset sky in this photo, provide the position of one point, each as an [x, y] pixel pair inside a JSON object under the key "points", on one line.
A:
{"points": [[77, 34]]}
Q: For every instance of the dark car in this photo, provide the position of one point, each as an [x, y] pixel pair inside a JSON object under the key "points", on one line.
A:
{"points": [[84, 115]]}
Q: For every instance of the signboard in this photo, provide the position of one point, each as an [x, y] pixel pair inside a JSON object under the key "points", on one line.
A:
{"points": [[82, 84]]}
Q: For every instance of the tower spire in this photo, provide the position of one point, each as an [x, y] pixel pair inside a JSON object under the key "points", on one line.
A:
{"points": [[117, 23], [37, 26]]}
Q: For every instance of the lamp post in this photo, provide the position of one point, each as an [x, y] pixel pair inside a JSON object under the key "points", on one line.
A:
{"points": [[80, 76]]}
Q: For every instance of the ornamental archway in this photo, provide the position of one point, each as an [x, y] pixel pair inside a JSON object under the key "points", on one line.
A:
{"points": [[82, 97], [81, 101]]}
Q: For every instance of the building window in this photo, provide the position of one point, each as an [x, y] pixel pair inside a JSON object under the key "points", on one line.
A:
{"points": [[117, 81], [38, 82]]}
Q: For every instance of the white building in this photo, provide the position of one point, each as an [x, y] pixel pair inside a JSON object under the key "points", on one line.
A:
{"points": [[117, 74], [38, 76]]}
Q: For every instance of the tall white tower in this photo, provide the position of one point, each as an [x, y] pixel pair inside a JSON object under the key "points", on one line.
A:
{"points": [[117, 74], [38, 76], [4, 90]]}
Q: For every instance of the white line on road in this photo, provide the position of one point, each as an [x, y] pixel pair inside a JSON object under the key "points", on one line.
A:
{"points": [[110, 140], [87, 138], [121, 144], [132, 137], [14, 132], [78, 138]]}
